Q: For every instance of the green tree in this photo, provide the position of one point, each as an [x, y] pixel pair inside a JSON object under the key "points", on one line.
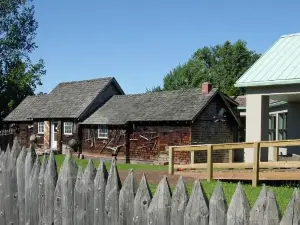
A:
{"points": [[19, 76], [221, 65]]}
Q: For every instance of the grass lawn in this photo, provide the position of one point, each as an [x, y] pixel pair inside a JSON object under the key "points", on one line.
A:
{"points": [[283, 193]]}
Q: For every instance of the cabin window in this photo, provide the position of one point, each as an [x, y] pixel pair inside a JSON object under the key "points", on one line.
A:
{"points": [[68, 128], [272, 127], [282, 127], [40, 127], [102, 131]]}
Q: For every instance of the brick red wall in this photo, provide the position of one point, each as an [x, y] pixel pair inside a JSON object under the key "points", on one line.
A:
{"points": [[146, 142]]}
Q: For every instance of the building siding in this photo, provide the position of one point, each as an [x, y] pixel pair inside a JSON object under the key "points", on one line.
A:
{"points": [[206, 131]]}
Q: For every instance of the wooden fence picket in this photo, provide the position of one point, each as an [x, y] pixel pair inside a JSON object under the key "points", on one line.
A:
{"points": [[34, 190], [159, 211], [112, 192], [197, 208], [21, 184], [218, 206], [2, 189], [126, 200], [79, 208], [64, 193], [292, 215], [32, 193], [272, 212], [239, 209], [180, 199], [142, 201], [50, 180], [257, 212], [99, 194]]}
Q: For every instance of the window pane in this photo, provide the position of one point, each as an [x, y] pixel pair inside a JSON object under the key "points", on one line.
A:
{"points": [[282, 135], [272, 122], [102, 131], [272, 135], [68, 128], [40, 127], [282, 120]]}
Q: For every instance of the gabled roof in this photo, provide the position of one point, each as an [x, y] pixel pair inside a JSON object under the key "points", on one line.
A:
{"points": [[67, 100], [28, 107], [181, 105], [279, 65]]}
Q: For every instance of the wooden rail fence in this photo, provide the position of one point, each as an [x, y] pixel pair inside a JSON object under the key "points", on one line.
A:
{"points": [[256, 165], [33, 193]]}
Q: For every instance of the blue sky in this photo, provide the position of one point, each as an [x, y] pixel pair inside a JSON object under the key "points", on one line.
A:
{"points": [[139, 42]]}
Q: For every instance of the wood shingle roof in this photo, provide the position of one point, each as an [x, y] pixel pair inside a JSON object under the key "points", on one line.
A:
{"points": [[66, 100], [181, 105]]}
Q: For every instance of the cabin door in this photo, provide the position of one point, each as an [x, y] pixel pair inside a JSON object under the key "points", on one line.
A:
{"points": [[54, 135]]}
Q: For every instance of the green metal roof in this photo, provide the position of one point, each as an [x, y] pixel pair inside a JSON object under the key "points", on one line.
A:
{"points": [[279, 65]]}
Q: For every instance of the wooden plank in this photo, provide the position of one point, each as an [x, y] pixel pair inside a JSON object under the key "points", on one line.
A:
{"points": [[79, 208], [112, 191], [41, 195], [34, 190], [272, 212], [291, 217], [28, 168], [239, 209], [275, 154], [88, 192], [179, 202], [197, 208], [50, 181], [209, 163], [192, 157], [159, 211], [171, 160], [262, 165], [14, 214], [141, 203], [256, 160], [2, 189], [257, 213], [189, 148], [283, 143], [126, 200], [64, 193], [230, 156], [217, 206], [99, 194]]}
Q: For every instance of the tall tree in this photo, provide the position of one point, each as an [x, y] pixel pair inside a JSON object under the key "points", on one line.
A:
{"points": [[19, 76], [221, 65]]}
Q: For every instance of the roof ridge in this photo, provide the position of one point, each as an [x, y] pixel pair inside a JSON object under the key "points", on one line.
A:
{"points": [[290, 35], [87, 80], [160, 92]]}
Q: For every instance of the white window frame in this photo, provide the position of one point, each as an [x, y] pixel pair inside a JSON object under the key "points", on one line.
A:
{"points": [[277, 113], [66, 124], [39, 125], [102, 131]]}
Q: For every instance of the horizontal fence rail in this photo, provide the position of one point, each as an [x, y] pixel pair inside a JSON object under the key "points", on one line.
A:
{"points": [[34, 193], [255, 165]]}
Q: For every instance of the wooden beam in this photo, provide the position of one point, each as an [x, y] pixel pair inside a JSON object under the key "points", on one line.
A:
{"points": [[275, 154], [171, 160], [192, 157], [230, 156], [256, 154], [262, 165], [209, 163]]}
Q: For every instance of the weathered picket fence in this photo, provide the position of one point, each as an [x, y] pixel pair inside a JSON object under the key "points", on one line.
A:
{"points": [[33, 193]]}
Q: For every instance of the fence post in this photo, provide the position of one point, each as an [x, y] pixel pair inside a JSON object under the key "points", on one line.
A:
{"points": [[256, 148], [209, 163], [275, 153], [231, 155], [179, 202], [171, 160], [192, 157]]}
